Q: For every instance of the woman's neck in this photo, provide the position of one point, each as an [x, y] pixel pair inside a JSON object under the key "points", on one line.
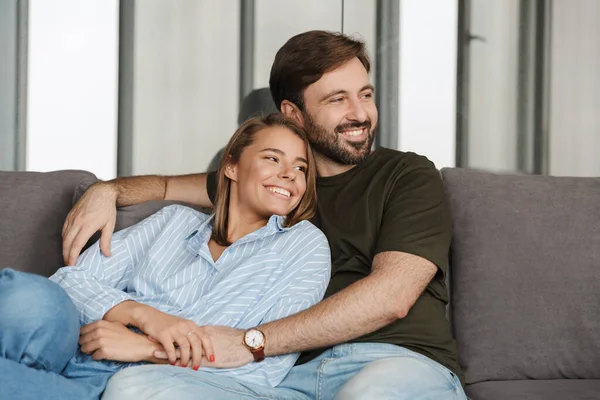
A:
{"points": [[241, 222]]}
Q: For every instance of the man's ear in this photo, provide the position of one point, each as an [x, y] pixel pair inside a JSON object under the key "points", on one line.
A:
{"points": [[292, 111]]}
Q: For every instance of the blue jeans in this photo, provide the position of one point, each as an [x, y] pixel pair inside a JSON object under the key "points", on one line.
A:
{"points": [[39, 331], [347, 371]]}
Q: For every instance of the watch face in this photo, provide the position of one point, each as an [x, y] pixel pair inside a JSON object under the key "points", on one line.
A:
{"points": [[254, 338]]}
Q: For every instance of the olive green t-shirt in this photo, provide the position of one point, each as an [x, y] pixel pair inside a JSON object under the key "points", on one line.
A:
{"points": [[392, 201]]}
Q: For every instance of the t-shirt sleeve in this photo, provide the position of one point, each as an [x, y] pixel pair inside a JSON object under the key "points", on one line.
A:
{"points": [[416, 218], [211, 186]]}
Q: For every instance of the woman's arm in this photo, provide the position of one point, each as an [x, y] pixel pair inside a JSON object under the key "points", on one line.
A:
{"points": [[98, 283]]}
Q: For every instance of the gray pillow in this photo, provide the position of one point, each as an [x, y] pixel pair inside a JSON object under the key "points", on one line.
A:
{"points": [[33, 208], [525, 262]]}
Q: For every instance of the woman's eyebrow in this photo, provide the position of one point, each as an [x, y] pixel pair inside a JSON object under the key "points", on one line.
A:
{"points": [[304, 160]]}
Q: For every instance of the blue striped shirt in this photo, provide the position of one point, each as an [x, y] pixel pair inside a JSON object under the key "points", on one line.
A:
{"points": [[164, 262]]}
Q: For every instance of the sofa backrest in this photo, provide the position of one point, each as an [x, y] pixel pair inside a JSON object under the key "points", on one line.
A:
{"points": [[33, 208], [525, 261]]}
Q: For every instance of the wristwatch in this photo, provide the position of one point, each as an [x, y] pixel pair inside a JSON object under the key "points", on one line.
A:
{"points": [[255, 340]]}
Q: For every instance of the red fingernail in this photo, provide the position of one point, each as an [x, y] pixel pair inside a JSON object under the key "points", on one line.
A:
{"points": [[211, 358], [173, 363], [195, 368]]}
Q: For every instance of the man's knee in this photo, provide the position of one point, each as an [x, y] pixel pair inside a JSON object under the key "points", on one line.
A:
{"points": [[400, 378]]}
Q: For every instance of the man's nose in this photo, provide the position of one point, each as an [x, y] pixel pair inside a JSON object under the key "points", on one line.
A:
{"points": [[356, 111]]}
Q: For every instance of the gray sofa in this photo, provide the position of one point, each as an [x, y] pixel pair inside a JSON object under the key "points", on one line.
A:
{"points": [[525, 272]]}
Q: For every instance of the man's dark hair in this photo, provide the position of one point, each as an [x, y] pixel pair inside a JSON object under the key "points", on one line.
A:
{"points": [[306, 57]]}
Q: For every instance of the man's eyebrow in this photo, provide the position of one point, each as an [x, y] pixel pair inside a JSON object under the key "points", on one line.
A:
{"points": [[332, 93], [304, 160], [341, 91]]}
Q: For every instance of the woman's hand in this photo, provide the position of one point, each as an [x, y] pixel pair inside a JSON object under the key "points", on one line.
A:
{"points": [[169, 331], [106, 340]]}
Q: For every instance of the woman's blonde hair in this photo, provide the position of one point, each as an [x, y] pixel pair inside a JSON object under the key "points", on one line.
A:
{"points": [[243, 138]]}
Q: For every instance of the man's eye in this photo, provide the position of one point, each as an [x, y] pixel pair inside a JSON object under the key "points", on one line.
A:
{"points": [[368, 95], [271, 158], [336, 100]]}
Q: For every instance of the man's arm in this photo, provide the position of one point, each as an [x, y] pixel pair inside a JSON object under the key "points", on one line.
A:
{"points": [[96, 210], [387, 294]]}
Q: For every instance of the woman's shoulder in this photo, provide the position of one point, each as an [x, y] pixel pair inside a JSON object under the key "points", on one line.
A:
{"points": [[305, 232], [179, 211]]}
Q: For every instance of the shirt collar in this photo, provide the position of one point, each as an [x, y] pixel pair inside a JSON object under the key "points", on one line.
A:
{"points": [[200, 236]]}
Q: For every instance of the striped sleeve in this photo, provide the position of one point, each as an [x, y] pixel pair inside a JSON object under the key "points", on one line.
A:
{"points": [[98, 283], [309, 268]]}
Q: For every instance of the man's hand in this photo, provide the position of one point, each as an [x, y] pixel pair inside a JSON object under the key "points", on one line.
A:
{"points": [[95, 211], [230, 351], [113, 341]]}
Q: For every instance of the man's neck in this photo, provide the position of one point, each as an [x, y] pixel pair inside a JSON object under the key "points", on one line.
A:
{"points": [[326, 167]]}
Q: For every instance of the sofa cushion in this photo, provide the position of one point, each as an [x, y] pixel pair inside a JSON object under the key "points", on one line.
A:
{"points": [[525, 262], [560, 389], [33, 207]]}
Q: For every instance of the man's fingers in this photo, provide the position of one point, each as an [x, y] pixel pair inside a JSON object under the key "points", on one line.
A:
{"points": [[68, 243], [83, 235], [106, 237]]}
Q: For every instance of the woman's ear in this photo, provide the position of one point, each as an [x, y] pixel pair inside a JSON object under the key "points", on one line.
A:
{"points": [[231, 171], [292, 111]]}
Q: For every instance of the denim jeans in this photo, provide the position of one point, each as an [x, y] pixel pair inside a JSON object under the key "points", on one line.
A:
{"points": [[39, 331], [347, 371]]}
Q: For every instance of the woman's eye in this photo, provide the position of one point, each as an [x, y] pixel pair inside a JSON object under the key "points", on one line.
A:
{"points": [[301, 168]]}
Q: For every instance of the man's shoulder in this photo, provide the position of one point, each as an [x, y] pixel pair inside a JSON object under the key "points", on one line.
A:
{"points": [[401, 159], [393, 165]]}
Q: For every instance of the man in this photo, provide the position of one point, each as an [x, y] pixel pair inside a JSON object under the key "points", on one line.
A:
{"points": [[381, 331]]}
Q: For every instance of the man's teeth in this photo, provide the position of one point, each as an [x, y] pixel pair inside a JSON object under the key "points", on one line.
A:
{"points": [[280, 191], [353, 133]]}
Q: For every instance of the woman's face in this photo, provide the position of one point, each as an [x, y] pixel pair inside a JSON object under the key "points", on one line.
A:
{"points": [[270, 176]]}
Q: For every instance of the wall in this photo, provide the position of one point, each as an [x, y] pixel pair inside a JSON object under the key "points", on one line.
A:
{"points": [[427, 115], [492, 113], [574, 126], [185, 83], [8, 86], [72, 86]]}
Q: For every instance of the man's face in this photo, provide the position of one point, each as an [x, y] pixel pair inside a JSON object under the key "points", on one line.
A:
{"points": [[340, 115]]}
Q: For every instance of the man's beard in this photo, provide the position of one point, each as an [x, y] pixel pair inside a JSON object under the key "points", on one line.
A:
{"points": [[332, 145]]}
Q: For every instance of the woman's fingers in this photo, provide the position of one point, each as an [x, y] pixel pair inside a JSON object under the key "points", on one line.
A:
{"points": [[167, 342], [90, 347], [184, 348], [197, 351], [207, 345]]}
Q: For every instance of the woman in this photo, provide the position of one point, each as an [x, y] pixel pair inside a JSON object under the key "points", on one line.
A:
{"points": [[174, 272]]}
